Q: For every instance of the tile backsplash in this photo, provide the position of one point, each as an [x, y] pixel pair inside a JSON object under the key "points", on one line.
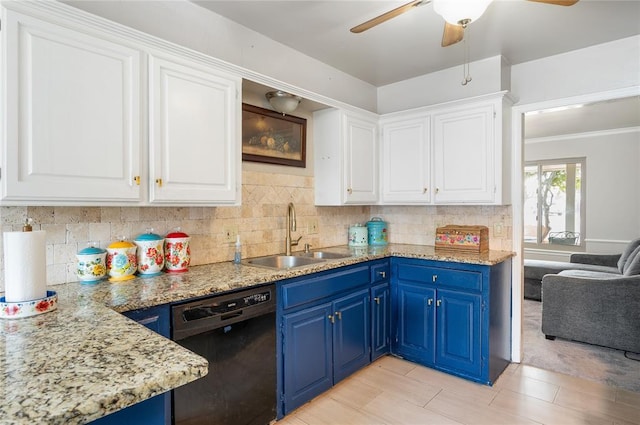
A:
{"points": [[261, 222]]}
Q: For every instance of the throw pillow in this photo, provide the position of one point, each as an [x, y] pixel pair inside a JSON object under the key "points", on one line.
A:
{"points": [[627, 253], [632, 266]]}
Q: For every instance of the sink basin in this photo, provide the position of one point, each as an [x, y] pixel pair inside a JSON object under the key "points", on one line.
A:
{"points": [[280, 262], [325, 255]]}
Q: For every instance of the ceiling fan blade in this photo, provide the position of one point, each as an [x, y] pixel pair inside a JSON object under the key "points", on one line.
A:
{"points": [[452, 34], [558, 2], [388, 15]]}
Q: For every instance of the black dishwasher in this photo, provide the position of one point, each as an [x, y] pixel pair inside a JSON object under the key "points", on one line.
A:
{"points": [[235, 332]]}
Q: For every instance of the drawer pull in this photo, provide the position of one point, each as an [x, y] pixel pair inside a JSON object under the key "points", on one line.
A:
{"points": [[382, 274], [333, 320], [434, 278], [377, 300], [438, 303], [339, 315], [430, 301]]}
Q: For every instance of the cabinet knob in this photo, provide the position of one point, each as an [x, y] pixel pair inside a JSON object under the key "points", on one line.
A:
{"points": [[349, 191], [136, 180], [333, 320], [377, 300], [430, 301], [437, 189], [159, 182], [339, 315], [382, 274], [438, 303], [434, 278], [424, 190]]}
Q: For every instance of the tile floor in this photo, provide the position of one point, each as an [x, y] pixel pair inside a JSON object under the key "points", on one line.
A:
{"points": [[394, 391]]}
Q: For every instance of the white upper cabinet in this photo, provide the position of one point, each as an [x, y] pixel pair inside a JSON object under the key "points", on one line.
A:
{"points": [[71, 116], [468, 153], [451, 153], [99, 114], [406, 160], [193, 132], [346, 158]]}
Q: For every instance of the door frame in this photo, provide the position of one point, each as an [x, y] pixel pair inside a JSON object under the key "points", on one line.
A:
{"points": [[517, 196]]}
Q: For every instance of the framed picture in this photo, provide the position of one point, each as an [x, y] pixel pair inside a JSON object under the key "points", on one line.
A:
{"points": [[273, 138]]}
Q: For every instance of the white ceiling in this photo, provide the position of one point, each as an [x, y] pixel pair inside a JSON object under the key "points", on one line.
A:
{"points": [[409, 45]]}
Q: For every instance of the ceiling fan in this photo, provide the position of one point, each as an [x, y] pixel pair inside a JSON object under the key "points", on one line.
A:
{"points": [[457, 14]]}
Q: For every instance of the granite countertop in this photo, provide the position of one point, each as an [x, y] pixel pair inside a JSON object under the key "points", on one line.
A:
{"points": [[84, 360]]}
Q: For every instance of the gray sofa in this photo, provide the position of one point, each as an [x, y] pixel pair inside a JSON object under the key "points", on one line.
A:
{"points": [[534, 270], [595, 306]]}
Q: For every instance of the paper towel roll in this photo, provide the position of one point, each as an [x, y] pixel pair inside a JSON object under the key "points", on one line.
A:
{"points": [[25, 266]]}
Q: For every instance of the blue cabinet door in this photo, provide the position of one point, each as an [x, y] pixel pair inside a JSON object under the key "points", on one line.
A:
{"points": [[459, 332], [156, 410], [380, 320], [351, 330], [306, 355], [416, 323]]}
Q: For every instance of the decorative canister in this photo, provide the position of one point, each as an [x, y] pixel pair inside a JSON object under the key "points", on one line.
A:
{"points": [[121, 260], [150, 253], [358, 235], [177, 253], [91, 265], [377, 231]]}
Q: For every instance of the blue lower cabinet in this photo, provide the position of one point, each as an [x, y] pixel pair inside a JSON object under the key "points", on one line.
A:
{"points": [[325, 332], [415, 333], [156, 410], [306, 355], [380, 321], [351, 330], [322, 345], [453, 317]]}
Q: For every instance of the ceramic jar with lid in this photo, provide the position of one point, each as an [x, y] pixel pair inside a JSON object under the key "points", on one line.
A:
{"points": [[358, 236], [377, 231], [121, 260], [150, 253], [177, 253], [91, 264]]}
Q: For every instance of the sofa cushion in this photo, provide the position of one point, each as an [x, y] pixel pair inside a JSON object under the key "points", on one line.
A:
{"points": [[633, 245], [585, 274], [632, 266], [536, 269]]}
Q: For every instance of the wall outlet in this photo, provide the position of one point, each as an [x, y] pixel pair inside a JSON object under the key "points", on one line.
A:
{"points": [[498, 229], [312, 226], [230, 233]]}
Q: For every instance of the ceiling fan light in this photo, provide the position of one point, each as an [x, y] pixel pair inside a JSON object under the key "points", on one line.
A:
{"points": [[457, 11], [283, 102]]}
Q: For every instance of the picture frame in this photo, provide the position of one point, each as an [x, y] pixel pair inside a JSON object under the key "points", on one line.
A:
{"points": [[273, 138]]}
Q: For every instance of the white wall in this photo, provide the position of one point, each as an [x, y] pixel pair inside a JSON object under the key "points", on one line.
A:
{"points": [[612, 183], [599, 68], [489, 75], [197, 28]]}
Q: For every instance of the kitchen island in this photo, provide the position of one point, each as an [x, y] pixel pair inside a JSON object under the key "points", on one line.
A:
{"points": [[84, 360]]}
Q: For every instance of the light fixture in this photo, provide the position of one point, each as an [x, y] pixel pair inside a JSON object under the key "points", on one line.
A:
{"points": [[283, 102], [460, 12]]}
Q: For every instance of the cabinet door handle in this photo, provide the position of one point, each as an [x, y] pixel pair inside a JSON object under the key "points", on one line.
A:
{"points": [[377, 300], [339, 315], [382, 274], [349, 191], [136, 180], [437, 189], [430, 301], [333, 320], [438, 303], [159, 182], [424, 190], [434, 278]]}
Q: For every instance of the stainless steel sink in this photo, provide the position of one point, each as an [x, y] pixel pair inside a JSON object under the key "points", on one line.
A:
{"points": [[325, 255], [282, 262]]}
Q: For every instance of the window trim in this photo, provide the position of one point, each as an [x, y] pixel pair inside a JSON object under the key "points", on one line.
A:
{"points": [[583, 204]]}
